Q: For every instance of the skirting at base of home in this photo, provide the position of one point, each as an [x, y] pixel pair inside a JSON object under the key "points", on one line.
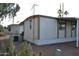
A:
{"points": [[51, 41]]}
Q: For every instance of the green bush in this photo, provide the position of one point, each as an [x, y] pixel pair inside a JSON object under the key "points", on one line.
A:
{"points": [[26, 50]]}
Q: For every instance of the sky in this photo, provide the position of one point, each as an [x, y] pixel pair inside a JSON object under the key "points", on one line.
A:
{"points": [[45, 7]]}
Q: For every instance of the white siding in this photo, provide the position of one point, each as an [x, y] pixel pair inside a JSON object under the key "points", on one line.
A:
{"points": [[21, 29], [28, 33], [48, 32], [48, 28], [36, 23], [61, 33], [73, 33], [68, 29], [31, 34], [53, 41]]}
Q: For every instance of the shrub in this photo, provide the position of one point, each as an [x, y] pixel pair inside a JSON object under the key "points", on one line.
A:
{"points": [[25, 50]]}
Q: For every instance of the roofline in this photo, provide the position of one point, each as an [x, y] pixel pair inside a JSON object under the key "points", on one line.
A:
{"points": [[21, 23], [48, 17], [13, 25], [37, 15]]}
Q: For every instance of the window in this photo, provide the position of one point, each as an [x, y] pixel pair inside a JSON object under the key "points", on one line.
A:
{"points": [[62, 25], [73, 25], [30, 23]]}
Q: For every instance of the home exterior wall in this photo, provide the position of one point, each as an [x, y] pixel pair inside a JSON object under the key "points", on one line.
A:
{"points": [[31, 34], [48, 28], [36, 28], [48, 32], [61, 34], [67, 32], [53, 41], [44, 31], [21, 28], [68, 29], [73, 33], [28, 34]]}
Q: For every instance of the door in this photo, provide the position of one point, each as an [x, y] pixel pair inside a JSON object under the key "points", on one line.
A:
{"points": [[68, 29]]}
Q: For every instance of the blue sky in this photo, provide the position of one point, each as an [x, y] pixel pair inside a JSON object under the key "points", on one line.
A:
{"points": [[46, 7]]}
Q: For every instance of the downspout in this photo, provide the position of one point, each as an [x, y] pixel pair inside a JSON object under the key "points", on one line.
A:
{"points": [[38, 27], [33, 27], [24, 30], [77, 33]]}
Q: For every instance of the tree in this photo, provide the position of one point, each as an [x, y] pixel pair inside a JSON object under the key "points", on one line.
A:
{"points": [[59, 12], [8, 9]]}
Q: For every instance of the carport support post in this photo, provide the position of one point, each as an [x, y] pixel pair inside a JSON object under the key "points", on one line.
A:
{"points": [[77, 32]]}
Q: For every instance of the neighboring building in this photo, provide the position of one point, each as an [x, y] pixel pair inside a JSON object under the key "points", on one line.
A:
{"points": [[21, 30], [17, 31], [43, 30], [14, 31]]}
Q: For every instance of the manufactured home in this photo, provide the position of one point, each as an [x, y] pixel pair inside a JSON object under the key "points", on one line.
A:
{"points": [[17, 31], [14, 31], [43, 30]]}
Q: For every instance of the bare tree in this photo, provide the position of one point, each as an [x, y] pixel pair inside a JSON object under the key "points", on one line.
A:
{"points": [[61, 11]]}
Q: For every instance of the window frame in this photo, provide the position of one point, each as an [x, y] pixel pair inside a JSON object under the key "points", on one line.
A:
{"points": [[61, 23], [30, 24]]}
